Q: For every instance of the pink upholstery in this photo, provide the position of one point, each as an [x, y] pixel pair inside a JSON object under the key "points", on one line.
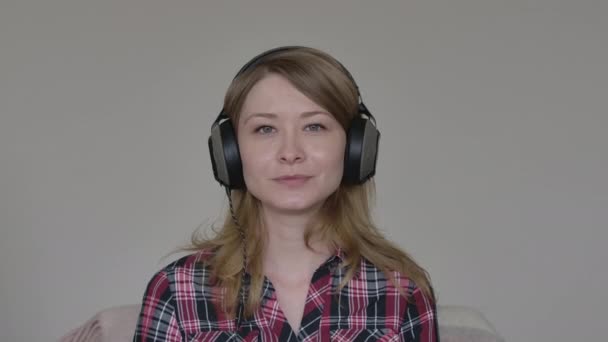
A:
{"points": [[115, 324]]}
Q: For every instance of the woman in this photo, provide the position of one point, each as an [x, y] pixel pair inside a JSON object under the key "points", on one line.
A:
{"points": [[298, 257]]}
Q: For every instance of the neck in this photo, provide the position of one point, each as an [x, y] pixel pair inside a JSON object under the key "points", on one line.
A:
{"points": [[285, 248]]}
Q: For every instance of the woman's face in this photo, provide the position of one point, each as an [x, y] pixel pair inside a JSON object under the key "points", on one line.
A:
{"points": [[281, 134]]}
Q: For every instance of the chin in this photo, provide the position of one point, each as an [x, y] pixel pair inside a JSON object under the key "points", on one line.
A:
{"points": [[298, 206], [291, 201]]}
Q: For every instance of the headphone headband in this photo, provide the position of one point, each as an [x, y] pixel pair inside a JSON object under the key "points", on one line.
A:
{"points": [[259, 58]]}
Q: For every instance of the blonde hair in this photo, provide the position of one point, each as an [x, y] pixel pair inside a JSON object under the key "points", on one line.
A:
{"points": [[345, 219]]}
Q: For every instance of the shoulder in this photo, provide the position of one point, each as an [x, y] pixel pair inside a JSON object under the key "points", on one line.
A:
{"points": [[412, 310], [195, 262], [175, 276], [170, 291], [393, 282], [378, 280]]}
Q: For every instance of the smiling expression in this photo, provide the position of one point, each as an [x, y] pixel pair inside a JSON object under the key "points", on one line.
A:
{"points": [[291, 148]]}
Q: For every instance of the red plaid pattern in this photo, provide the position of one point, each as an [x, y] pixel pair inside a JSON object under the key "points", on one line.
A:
{"points": [[179, 305]]}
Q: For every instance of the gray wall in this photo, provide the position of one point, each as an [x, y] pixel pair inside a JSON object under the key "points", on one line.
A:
{"points": [[492, 170]]}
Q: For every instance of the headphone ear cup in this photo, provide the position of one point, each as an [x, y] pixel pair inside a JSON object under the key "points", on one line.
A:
{"points": [[361, 152], [225, 156]]}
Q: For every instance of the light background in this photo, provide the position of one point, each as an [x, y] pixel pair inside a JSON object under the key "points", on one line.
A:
{"points": [[492, 168]]}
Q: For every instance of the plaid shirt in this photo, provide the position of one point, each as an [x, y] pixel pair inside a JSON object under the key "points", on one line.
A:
{"points": [[178, 306]]}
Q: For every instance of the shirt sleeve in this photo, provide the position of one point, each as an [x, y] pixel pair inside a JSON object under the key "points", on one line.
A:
{"points": [[420, 319], [157, 319]]}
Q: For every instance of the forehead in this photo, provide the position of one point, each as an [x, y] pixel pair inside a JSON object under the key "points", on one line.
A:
{"points": [[275, 94]]}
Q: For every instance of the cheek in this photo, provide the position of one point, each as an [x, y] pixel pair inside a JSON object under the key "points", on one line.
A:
{"points": [[332, 159], [255, 160]]}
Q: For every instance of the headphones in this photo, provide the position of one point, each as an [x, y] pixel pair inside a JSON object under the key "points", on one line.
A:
{"points": [[360, 156]]}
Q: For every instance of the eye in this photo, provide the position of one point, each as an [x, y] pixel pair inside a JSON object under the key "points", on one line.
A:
{"points": [[316, 127], [264, 129]]}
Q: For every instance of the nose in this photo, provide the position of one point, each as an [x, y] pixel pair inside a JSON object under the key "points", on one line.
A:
{"points": [[290, 150]]}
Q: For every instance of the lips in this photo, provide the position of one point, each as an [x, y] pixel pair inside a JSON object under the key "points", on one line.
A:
{"points": [[292, 180], [294, 177]]}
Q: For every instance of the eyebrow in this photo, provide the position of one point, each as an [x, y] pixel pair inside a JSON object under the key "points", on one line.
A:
{"points": [[273, 115]]}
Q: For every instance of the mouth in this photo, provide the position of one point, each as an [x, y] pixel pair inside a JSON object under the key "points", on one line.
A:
{"points": [[295, 180]]}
